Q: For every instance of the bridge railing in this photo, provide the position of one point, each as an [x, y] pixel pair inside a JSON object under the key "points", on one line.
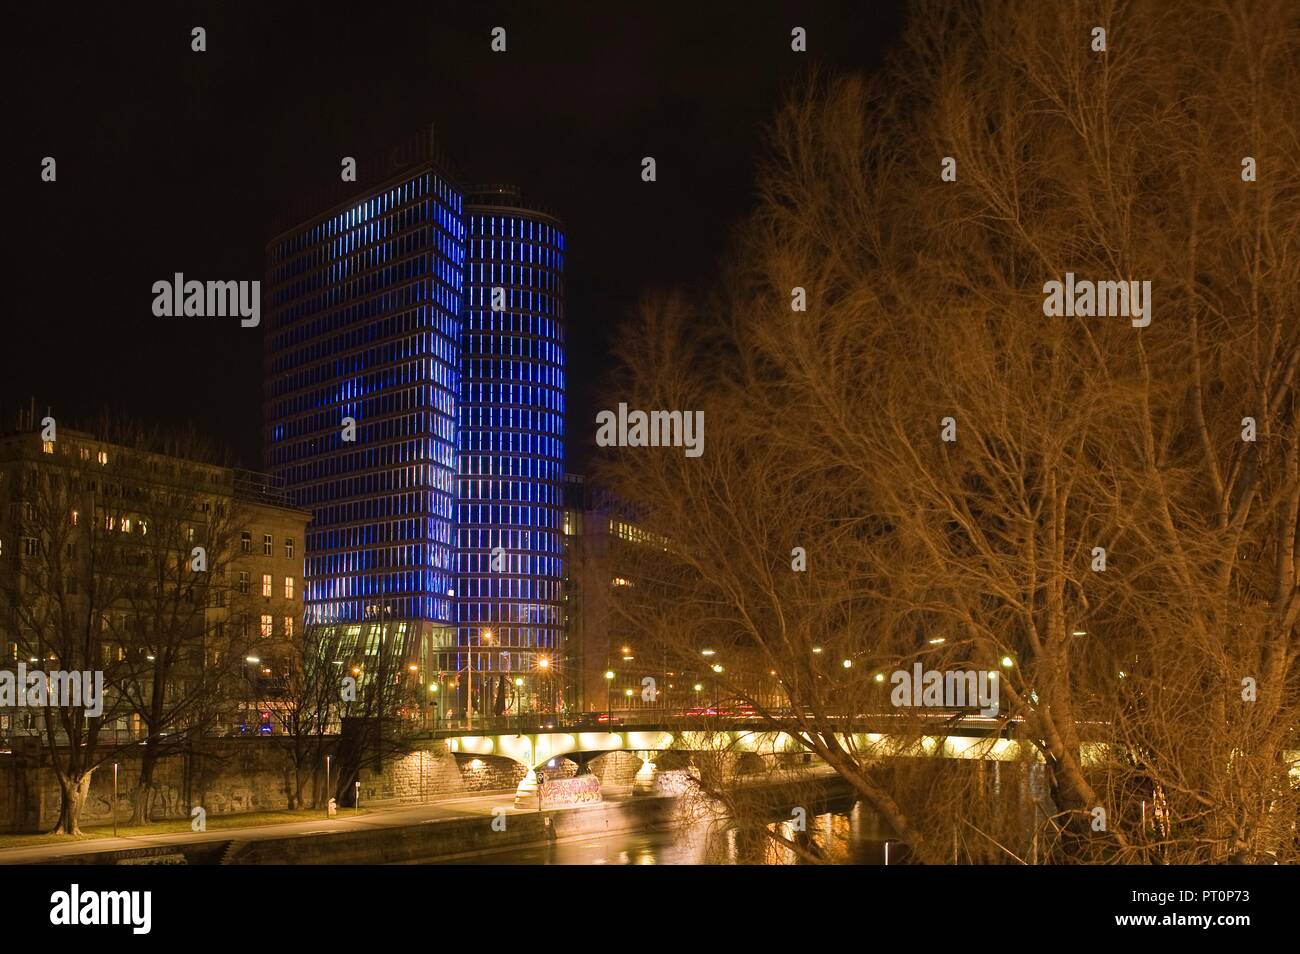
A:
{"points": [[543, 722], [642, 717]]}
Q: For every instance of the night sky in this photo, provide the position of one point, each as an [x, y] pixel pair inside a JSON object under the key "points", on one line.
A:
{"points": [[170, 160]]}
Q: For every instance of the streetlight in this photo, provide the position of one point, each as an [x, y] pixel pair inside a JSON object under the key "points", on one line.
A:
{"points": [[609, 690], [717, 668], [484, 637], [544, 664], [519, 706]]}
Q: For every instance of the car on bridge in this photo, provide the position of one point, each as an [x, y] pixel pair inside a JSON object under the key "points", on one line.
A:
{"points": [[594, 719]]}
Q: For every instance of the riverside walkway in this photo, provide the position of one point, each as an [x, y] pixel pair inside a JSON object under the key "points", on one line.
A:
{"points": [[378, 815]]}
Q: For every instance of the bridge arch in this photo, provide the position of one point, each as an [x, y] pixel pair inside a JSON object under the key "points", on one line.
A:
{"points": [[533, 750]]}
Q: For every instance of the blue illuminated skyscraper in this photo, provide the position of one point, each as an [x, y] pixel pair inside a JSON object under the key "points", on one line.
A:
{"points": [[415, 404], [365, 315], [510, 444]]}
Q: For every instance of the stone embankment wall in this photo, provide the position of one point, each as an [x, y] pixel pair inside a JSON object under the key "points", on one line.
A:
{"points": [[232, 776]]}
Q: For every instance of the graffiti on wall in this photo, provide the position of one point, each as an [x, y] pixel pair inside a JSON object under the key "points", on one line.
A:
{"points": [[563, 792]]}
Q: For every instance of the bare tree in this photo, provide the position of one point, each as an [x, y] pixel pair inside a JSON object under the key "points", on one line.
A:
{"points": [[180, 646], [380, 697], [312, 701], [1077, 503], [60, 589]]}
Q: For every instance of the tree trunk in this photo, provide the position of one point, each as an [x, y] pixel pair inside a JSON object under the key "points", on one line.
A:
{"points": [[72, 799], [141, 797], [299, 782]]}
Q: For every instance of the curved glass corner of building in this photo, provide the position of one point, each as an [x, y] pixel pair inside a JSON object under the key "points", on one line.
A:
{"points": [[510, 443]]}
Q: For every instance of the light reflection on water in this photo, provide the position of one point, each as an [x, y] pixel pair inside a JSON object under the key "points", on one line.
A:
{"points": [[852, 835]]}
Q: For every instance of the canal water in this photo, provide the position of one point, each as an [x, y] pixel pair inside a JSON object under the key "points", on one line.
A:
{"points": [[846, 834], [837, 829]]}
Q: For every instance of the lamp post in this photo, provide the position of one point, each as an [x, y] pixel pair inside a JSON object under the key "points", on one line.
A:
{"points": [[485, 636], [519, 701], [544, 664], [713, 682], [114, 799], [659, 697], [327, 786], [469, 687], [609, 693]]}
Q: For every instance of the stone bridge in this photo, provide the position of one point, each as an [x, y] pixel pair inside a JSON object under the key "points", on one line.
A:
{"points": [[532, 749]]}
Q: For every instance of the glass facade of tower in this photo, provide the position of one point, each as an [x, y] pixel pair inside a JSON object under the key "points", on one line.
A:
{"points": [[365, 309], [510, 443]]}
